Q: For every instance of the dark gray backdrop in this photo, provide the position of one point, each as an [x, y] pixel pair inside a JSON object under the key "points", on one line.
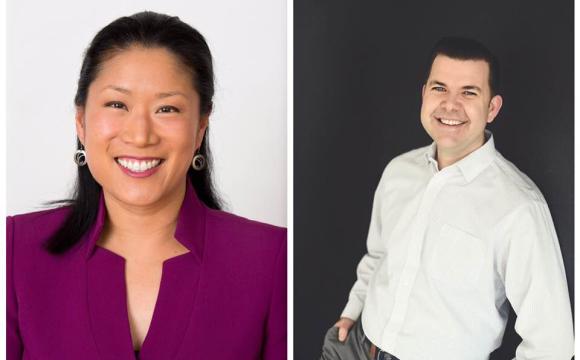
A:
{"points": [[357, 81]]}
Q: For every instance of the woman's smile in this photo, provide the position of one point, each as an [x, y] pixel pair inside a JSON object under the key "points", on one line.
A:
{"points": [[138, 167]]}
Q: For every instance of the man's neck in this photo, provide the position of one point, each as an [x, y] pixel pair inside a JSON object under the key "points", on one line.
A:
{"points": [[445, 160], [448, 157]]}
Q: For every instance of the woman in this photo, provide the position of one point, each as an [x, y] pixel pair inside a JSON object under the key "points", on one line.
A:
{"points": [[141, 263]]}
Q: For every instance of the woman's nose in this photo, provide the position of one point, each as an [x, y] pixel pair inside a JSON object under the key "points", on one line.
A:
{"points": [[139, 129]]}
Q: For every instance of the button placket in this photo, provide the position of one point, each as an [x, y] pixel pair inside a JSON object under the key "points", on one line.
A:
{"points": [[413, 260]]}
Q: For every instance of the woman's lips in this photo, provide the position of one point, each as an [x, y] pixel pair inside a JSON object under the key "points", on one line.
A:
{"points": [[138, 167]]}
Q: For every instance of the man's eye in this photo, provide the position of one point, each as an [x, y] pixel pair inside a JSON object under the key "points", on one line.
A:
{"points": [[116, 105], [438, 88], [469, 93], [167, 109]]}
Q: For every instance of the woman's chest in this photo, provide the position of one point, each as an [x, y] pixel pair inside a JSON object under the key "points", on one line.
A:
{"points": [[143, 281], [179, 310]]}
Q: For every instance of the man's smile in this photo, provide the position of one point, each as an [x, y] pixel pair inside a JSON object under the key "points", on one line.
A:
{"points": [[449, 121]]}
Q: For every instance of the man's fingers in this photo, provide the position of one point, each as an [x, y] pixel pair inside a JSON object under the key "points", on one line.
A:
{"points": [[343, 325], [342, 331]]}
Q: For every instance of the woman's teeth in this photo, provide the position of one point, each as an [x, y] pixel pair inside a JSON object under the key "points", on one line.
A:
{"points": [[138, 165]]}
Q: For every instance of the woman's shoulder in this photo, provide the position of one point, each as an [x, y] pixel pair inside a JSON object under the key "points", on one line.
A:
{"points": [[243, 229], [237, 223], [44, 214], [255, 250], [36, 226]]}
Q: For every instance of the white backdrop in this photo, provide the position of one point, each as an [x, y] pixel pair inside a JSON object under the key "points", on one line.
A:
{"points": [[46, 40]]}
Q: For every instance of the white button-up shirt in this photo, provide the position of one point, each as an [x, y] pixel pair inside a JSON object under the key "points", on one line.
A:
{"points": [[447, 249]]}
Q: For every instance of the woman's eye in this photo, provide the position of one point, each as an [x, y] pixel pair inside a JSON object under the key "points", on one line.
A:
{"points": [[116, 105], [167, 109]]}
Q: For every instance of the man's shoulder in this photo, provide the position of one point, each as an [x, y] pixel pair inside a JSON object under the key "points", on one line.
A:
{"points": [[514, 181], [413, 159], [415, 156]]}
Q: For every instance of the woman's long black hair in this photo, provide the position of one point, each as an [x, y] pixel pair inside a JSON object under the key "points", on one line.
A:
{"points": [[151, 30]]}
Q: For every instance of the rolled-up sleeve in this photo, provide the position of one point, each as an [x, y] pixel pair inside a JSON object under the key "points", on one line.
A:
{"points": [[535, 284], [13, 340], [368, 263]]}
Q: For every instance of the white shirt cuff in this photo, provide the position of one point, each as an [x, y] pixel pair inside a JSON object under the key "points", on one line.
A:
{"points": [[352, 310]]}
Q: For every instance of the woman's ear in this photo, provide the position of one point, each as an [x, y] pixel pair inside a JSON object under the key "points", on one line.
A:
{"points": [[80, 123], [203, 123]]}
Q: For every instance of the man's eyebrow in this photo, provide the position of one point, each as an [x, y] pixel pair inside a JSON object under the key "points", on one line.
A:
{"points": [[466, 87], [160, 95], [435, 82], [471, 87]]}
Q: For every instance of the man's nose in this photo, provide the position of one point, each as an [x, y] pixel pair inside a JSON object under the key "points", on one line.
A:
{"points": [[450, 103], [139, 129]]}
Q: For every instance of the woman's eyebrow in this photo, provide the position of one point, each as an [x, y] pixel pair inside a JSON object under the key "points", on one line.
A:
{"points": [[169, 93], [117, 88], [160, 95]]}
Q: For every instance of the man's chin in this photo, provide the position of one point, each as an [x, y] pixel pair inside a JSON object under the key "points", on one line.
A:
{"points": [[448, 143], [456, 147]]}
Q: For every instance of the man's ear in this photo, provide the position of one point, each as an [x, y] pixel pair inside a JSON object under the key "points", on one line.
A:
{"points": [[423, 91], [494, 106], [80, 123]]}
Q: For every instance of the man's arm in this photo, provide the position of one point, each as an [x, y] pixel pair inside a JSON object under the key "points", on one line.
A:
{"points": [[366, 267], [530, 264]]}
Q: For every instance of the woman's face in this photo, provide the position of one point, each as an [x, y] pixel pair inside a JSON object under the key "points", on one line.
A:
{"points": [[141, 126]]}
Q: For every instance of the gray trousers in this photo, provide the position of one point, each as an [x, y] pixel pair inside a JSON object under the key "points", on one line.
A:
{"points": [[356, 346]]}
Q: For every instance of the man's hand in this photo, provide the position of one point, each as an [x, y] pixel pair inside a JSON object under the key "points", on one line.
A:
{"points": [[343, 325]]}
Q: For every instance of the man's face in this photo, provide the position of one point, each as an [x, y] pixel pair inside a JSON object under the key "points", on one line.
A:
{"points": [[457, 105]]}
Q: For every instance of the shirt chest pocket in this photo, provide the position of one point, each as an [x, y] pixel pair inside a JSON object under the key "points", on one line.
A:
{"points": [[457, 258]]}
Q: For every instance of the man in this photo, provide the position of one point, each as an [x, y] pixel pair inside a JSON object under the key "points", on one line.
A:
{"points": [[456, 232]]}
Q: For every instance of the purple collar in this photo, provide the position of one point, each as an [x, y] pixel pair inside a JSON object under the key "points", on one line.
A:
{"points": [[190, 229]]}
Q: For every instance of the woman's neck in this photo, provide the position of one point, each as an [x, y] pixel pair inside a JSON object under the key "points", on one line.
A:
{"points": [[141, 231]]}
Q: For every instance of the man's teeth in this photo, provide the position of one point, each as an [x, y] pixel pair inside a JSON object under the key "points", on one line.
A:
{"points": [[451, 122], [138, 166]]}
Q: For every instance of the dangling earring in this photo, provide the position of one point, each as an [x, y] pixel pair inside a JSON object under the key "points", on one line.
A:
{"points": [[198, 162], [80, 157]]}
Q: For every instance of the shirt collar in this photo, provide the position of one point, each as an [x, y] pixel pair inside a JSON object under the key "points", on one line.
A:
{"points": [[471, 165], [189, 231]]}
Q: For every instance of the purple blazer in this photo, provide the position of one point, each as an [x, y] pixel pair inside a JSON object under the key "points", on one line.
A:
{"points": [[225, 299]]}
